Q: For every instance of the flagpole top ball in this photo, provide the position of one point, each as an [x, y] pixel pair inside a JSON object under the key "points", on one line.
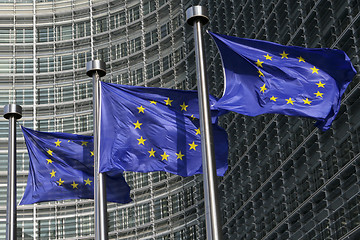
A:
{"points": [[197, 13], [12, 110], [96, 66]]}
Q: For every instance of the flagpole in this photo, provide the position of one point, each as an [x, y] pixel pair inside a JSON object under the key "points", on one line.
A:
{"points": [[197, 17], [11, 112], [97, 69]]}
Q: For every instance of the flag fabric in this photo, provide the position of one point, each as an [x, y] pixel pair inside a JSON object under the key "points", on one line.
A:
{"points": [[265, 77], [147, 129], [62, 167]]}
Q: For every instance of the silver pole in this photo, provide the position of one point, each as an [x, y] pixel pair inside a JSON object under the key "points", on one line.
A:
{"points": [[197, 16], [96, 69], [11, 112]]}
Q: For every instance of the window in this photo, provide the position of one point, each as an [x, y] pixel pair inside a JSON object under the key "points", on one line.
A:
{"points": [[5, 36], [64, 62], [64, 32], [6, 65], [45, 64], [152, 69], [101, 25], [135, 45], [117, 20], [151, 37], [134, 13], [82, 29], [24, 35], [46, 34], [167, 62], [165, 30], [149, 7], [137, 76], [24, 65]]}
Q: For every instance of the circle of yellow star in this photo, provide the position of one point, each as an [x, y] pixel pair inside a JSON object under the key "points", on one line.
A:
{"points": [[259, 63], [137, 124], [52, 173], [319, 94], [263, 88], [260, 73], [88, 182], [141, 140], [141, 109], [290, 101], [49, 161], [57, 143], [183, 107], [153, 102], [307, 101], [284, 55], [179, 155], [273, 98], [268, 57], [315, 70], [168, 101], [50, 152], [60, 182], [197, 131], [164, 156], [320, 84], [193, 146], [74, 185], [84, 143], [301, 59], [152, 153]]}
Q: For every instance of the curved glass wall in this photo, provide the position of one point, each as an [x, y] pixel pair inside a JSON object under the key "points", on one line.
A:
{"points": [[286, 179]]}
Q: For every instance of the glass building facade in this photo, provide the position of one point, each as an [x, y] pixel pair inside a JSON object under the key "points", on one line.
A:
{"points": [[286, 179]]}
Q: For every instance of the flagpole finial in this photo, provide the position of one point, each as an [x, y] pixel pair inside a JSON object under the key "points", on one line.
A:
{"points": [[12, 110], [96, 66], [197, 13]]}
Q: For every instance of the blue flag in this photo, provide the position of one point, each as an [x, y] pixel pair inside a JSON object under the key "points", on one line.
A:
{"points": [[154, 129], [61, 167], [264, 77]]}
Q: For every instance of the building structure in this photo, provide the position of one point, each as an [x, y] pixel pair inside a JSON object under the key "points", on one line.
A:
{"points": [[286, 179]]}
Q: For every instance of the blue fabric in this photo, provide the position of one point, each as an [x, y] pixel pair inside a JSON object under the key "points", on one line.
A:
{"points": [[61, 167], [130, 114], [264, 77]]}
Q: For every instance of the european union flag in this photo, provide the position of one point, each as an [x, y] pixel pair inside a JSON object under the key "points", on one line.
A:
{"points": [[61, 167], [264, 77], [153, 129]]}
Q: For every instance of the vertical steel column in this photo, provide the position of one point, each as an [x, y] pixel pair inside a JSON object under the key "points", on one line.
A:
{"points": [[97, 69], [197, 17], [11, 112]]}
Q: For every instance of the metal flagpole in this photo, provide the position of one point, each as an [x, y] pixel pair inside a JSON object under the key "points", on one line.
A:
{"points": [[197, 17], [11, 112], [97, 69]]}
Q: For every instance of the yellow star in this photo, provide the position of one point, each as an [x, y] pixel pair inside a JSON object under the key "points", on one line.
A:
{"points": [[307, 101], [320, 84], [137, 125], [74, 185], [301, 59], [60, 182], [68, 140], [84, 143], [183, 107], [153, 102], [260, 73], [179, 155], [319, 94], [192, 117], [259, 63], [315, 70], [263, 88], [141, 109], [141, 140], [152, 153], [49, 161], [88, 182], [164, 156], [57, 143], [168, 101], [290, 101], [53, 173], [193, 146], [50, 152], [284, 55], [268, 57], [197, 131], [273, 98], [92, 153]]}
